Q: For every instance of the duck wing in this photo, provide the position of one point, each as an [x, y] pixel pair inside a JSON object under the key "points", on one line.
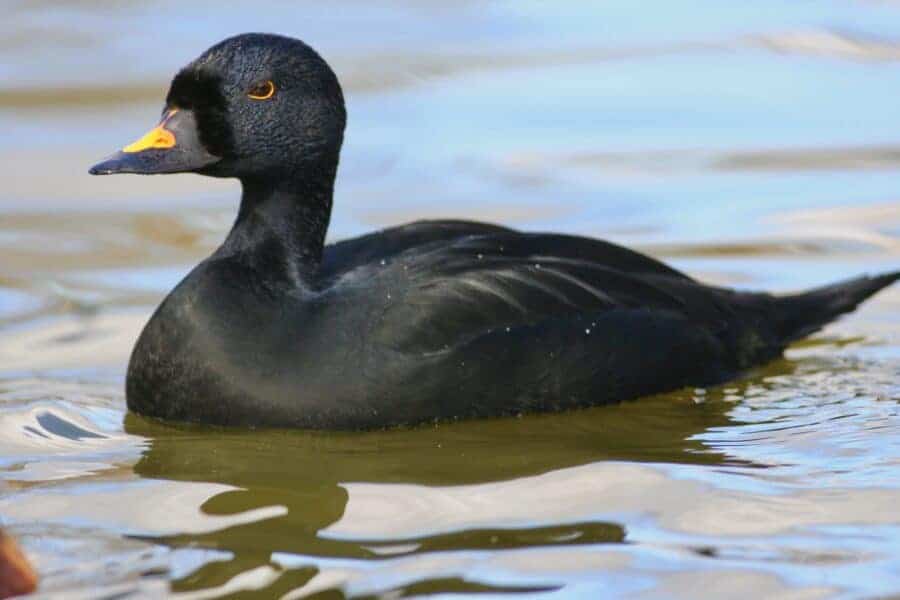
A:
{"points": [[446, 293]]}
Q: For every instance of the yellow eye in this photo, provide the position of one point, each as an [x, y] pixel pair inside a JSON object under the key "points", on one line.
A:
{"points": [[262, 91]]}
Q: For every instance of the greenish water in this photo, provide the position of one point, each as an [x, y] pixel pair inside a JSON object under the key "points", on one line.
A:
{"points": [[751, 145]]}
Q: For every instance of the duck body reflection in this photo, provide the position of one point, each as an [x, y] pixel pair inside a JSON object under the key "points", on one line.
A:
{"points": [[307, 482]]}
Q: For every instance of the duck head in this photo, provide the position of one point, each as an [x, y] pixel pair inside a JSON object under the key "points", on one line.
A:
{"points": [[252, 106]]}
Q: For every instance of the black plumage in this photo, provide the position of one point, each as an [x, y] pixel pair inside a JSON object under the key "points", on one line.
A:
{"points": [[430, 320]]}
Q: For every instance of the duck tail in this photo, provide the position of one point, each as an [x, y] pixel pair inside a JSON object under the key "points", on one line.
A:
{"points": [[806, 313]]}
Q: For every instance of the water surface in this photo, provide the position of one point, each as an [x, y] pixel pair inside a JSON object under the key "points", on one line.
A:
{"points": [[751, 145]]}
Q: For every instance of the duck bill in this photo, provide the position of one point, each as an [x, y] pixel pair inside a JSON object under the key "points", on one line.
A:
{"points": [[173, 146]]}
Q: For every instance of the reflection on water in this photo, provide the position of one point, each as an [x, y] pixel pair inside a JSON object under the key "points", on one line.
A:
{"points": [[751, 145]]}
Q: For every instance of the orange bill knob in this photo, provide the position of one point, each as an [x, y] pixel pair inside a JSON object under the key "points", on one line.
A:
{"points": [[158, 137]]}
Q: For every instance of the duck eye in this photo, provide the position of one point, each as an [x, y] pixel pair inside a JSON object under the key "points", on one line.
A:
{"points": [[262, 91]]}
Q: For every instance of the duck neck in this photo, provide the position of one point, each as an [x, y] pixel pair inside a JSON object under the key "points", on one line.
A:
{"points": [[281, 224]]}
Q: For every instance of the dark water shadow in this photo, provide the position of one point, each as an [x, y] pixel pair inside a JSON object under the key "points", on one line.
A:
{"points": [[302, 471]]}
